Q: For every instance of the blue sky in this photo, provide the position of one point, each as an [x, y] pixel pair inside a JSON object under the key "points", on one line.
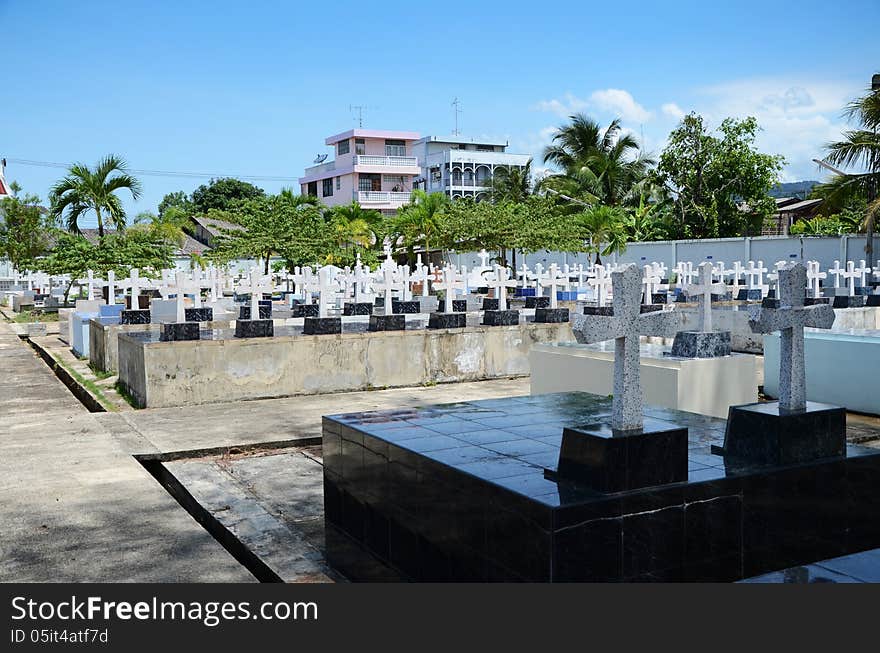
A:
{"points": [[253, 88]]}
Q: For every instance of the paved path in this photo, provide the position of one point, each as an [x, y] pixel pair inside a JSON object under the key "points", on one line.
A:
{"points": [[74, 505]]}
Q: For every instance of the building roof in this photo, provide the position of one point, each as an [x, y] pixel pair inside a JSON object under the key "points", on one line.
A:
{"points": [[213, 226], [462, 140], [371, 133], [795, 207]]}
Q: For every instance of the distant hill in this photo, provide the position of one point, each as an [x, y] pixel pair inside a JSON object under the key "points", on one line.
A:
{"points": [[793, 189]]}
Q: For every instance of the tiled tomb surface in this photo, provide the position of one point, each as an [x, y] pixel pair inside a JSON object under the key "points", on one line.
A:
{"points": [[458, 492]]}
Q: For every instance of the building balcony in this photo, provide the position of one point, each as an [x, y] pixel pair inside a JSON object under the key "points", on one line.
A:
{"points": [[386, 161], [372, 197]]}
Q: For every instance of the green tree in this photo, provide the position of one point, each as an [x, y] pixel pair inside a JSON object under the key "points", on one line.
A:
{"points": [[85, 189], [223, 195], [602, 229], [24, 230], [416, 223], [596, 166], [279, 225], [711, 178], [355, 230], [170, 226], [511, 183], [176, 200]]}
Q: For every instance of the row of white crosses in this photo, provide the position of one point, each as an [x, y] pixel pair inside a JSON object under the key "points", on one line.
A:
{"points": [[450, 283]]}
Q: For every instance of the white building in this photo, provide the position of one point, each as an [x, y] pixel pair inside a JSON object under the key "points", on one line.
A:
{"points": [[461, 167]]}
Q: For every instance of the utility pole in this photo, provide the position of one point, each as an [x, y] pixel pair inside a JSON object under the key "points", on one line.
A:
{"points": [[360, 112], [457, 110]]}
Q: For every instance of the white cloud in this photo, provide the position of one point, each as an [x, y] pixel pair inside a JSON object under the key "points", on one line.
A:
{"points": [[672, 110], [565, 107], [620, 103]]}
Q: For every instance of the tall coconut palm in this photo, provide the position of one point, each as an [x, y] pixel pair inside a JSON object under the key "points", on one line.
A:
{"points": [[355, 226], [511, 183], [595, 165], [85, 189], [859, 149], [603, 227]]}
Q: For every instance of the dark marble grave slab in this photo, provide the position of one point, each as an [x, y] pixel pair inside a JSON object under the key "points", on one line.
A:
{"points": [[548, 315], [244, 312], [302, 310], [139, 316], [751, 295], [357, 308], [701, 344], [199, 314], [849, 301], [872, 300], [447, 321], [392, 322], [534, 302], [659, 298], [458, 492], [409, 307], [321, 326], [812, 301], [173, 331], [458, 306], [254, 328], [509, 317], [490, 304]]}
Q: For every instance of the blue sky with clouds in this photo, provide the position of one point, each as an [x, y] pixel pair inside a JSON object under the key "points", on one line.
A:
{"points": [[252, 88]]}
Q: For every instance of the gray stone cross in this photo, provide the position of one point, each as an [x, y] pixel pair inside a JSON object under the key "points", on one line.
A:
{"points": [[705, 289], [624, 327], [790, 319]]}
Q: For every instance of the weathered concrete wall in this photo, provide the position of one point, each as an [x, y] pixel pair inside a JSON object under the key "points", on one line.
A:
{"points": [[161, 374], [104, 341]]}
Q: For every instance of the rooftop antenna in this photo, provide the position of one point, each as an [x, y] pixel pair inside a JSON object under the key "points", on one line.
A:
{"points": [[360, 112], [457, 109]]}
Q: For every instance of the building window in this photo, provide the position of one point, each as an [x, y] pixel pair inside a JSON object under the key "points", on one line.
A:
{"points": [[338, 183], [342, 147], [360, 146], [369, 182], [485, 148], [312, 189], [328, 187], [394, 147]]}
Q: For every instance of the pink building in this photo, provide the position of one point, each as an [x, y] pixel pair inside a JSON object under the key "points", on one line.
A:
{"points": [[373, 167]]}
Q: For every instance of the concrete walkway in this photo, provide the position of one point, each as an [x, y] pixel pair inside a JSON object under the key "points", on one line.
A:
{"points": [[74, 505]]}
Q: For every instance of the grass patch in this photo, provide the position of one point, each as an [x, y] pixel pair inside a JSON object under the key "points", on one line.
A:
{"points": [[123, 392], [34, 316], [99, 374], [88, 385]]}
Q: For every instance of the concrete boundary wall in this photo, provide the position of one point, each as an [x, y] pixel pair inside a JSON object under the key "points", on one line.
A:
{"points": [[159, 374]]}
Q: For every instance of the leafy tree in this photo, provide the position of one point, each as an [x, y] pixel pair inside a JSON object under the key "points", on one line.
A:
{"points": [[596, 166], [24, 230], [710, 178], [169, 227], [176, 200], [355, 230], [602, 227], [279, 225], [85, 189], [223, 195]]}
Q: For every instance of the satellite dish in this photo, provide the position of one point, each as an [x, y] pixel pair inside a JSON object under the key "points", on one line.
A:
{"points": [[320, 158]]}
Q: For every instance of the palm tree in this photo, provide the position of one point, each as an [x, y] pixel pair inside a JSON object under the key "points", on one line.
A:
{"points": [[602, 226], [355, 226], [169, 227], [860, 149], [511, 183], [84, 190], [595, 165], [416, 222]]}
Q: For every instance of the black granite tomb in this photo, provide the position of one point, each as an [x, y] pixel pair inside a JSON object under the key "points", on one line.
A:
{"points": [[357, 308], [749, 294], [659, 298], [812, 301], [447, 321], [458, 306], [551, 315], [143, 303], [458, 492], [139, 316], [849, 301], [407, 307], [490, 304], [300, 310], [199, 314], [701, 344], [321, 326], [392, 322], [535, 302], [173, 331], [509, 317], [254, 328], [872, 300], [764, 433]]}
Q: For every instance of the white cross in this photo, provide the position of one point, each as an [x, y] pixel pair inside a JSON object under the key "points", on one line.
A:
{"points": [[838, 272], [649, 281], [705, 289], [554, 282], [450, 283], [755, 275], [524, 276], [180, 283], [735, 273], [850, 276], [421, 274], [256, 285], [814, 274], [862, 271], [361, 279], [90, 278], [718, 271], [600, 283], [484, 259], [134, 283], [327, 289], [500, 282], [387, 283]]}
